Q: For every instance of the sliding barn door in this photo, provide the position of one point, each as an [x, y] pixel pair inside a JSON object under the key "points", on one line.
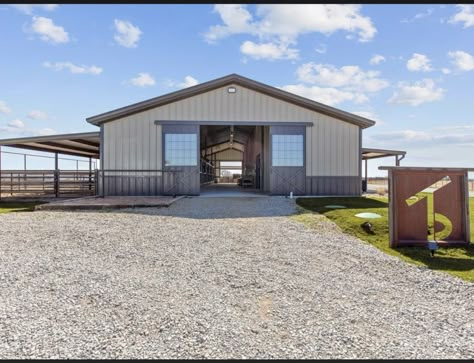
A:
{"points": [[287, 160], [181, 160]]}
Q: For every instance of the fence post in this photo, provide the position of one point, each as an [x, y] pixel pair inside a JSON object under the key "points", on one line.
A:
{"points": [[56, 183], [90, 173], [96, 181]]}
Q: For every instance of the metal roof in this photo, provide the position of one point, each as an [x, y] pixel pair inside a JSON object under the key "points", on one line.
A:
{"points": [[86, 144], [380, 153], [224, 81]]}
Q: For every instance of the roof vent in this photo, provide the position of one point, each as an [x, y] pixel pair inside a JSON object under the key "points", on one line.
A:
{"points": [[231, 90]]}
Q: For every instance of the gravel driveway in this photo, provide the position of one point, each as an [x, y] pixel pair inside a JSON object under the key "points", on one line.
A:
{"points": [[217, 278]]}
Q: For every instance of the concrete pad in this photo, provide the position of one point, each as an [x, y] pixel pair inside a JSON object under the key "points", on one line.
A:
{"points": [[229, 190], [96, 203]]}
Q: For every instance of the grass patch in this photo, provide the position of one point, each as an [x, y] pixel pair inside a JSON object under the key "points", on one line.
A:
{"points": [[455, 261], [7, 207]]}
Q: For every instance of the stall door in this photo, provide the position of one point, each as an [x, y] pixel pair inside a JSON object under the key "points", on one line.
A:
{"points": [[181, 160], [287, 156]]}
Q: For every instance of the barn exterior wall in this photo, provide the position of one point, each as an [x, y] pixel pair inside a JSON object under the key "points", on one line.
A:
{"points": [[332, 145]]}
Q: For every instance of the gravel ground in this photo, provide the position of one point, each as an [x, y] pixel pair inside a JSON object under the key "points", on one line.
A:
{"points": [[217, 278]]}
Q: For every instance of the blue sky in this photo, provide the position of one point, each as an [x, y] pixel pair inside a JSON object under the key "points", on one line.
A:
{"points": [[409, 67]]}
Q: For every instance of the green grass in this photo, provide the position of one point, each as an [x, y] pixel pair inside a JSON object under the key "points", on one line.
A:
{"points": [[455, 261], [7, 207]]}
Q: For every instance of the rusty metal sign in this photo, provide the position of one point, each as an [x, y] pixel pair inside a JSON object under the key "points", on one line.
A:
{"points": [[428, 204]]}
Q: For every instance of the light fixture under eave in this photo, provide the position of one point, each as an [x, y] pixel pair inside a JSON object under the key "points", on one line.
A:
{"points": [[231, 90]]}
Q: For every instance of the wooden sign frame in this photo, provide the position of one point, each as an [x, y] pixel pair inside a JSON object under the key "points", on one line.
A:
{"points": [[410, 224]]}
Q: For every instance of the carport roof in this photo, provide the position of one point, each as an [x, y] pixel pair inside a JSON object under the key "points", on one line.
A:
{"points": [[85, 144], [380, 153]]}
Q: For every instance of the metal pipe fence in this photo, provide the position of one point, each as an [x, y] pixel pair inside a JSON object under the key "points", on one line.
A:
{"points": [[92, 162], [55, 183]]}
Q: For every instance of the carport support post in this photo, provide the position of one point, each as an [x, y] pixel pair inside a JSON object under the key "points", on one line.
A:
{"points": [[90, 173], [56, 175], [24, 168], [366, 177]]}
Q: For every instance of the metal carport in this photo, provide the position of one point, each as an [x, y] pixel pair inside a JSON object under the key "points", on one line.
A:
{"points": [[368, 154], [86, 144]]}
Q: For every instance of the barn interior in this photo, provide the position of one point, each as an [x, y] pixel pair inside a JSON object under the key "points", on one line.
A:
{"points": [[233, 158]]}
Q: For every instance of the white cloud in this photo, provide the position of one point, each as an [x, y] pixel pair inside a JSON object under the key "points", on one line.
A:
{"points": [[450, 128], [16, 124], [28, 8], [143, 80], [44, 131], [127, 34], [376, 59], [418, 137], [403, 135], [465, 16], [462, 60], [73, 68], [349, 77], [4, 108], [236, 20], [322, 49], [369, 115], [279, 25], [415, 94], [269, 51], [366, 114], [48, 31], [38, 115], [446, 70], [328, 96], [189, 81], [418, 16], [18, 127], [419, 63]]}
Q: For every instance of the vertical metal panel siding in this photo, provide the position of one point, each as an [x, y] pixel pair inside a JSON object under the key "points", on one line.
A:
{"points": [[132, 142], [135, 141]]}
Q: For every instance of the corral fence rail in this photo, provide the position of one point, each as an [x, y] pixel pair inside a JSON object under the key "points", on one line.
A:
{"points": [[58, 183]]}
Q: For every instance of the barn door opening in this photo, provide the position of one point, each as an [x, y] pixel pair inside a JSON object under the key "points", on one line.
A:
{"points": [[287, 153]]}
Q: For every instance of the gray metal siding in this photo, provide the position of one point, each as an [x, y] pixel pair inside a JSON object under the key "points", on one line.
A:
{"points": [[132, 144], [333, 185]]}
